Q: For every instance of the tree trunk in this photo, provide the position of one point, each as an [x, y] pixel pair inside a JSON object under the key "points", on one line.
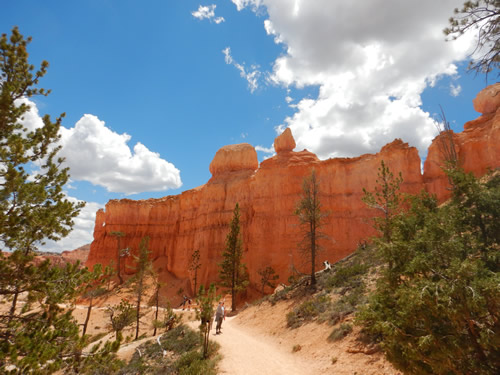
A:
{"points": [[138, 311], [157, 305], [89, 310], [119, 272], [195, 282], [13, 306]]}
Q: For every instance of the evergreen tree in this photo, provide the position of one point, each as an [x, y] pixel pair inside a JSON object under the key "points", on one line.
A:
{"points": [[233, 273], [38, 335], [482, 17], [436, 308], [386, 198], [92, 288], [205, 300], [268, 278], [121, 317], [194, 266], [311, 219], [143, 269], [120, 253]]}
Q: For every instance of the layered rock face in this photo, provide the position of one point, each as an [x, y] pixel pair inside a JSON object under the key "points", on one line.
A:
{"points": [[267, 196], [476, 148]]}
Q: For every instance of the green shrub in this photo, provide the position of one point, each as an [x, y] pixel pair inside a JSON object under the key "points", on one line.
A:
{"points": [[180, 340], [436, 307], [346, 275], [296, 348], [184, 345], [340, 332], [281, 295], [308, 310], [192, 363]]}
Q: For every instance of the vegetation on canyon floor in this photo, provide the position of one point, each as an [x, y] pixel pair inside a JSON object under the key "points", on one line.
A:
{"points": [[426, 292]]}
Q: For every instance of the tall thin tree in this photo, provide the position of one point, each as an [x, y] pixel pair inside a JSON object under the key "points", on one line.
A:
{"points": [[143, 268], [233, 273], [119, 253], [194, 266], [311, 219]]}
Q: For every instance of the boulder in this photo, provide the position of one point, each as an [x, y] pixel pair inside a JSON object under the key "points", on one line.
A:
{"points": [[284, 142], [488, 99], [234, 158]]}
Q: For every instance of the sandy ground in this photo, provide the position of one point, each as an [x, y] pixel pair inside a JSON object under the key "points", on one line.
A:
{"points": [[257, 341], [247, 353], [261, 333]]}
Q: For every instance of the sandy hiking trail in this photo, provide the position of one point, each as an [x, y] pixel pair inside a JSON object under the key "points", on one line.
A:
{"points": [[247, 353]]}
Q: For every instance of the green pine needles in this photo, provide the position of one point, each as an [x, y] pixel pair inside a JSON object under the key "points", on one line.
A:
{"points": [[436, 309], [38, 334], [233, 273]]}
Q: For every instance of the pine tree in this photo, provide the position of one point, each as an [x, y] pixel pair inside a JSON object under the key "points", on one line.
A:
{"points": [[93, 287], [268, 277], [482, 17], [436, 307], [311, 219], [143, 269], [194, 266], [386, 198], [120, 253], [205, 300], [121, 316], [39, 335], [233, 273]]}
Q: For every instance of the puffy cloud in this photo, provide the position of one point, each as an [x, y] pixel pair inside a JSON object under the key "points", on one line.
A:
{"points": [[371, 62], [82, 230], [101, 156], [207, 12], [97, 154], [252, 74]]}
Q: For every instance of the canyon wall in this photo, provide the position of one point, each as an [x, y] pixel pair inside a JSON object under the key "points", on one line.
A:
{"points": [[267, 195]]}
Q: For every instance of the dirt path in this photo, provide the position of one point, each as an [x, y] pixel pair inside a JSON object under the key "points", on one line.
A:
{"points": [[248, 353]]}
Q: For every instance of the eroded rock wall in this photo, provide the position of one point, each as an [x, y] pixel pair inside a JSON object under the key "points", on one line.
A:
{"points": [[267, 195]]}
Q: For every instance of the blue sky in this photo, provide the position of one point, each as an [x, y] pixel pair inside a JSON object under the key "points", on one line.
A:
{"points": [[152, 89]]}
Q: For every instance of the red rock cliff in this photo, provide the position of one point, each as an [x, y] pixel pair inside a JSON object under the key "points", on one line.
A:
{"points": [[267, 195]]}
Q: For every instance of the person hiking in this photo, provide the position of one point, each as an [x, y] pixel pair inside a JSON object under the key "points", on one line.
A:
{"points": [[219, 315], [184, 301]]}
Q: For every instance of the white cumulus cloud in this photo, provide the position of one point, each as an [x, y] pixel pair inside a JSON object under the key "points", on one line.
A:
{"points": [[97, 154], [371, 61], [207, 12]]}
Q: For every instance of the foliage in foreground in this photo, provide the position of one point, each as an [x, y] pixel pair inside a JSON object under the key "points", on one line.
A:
{"points": [[205, 313], [436, 309], [182, 347], [38, 334]]}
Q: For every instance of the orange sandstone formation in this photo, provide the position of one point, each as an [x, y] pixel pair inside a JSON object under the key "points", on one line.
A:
{"points": [[198, 219]]}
